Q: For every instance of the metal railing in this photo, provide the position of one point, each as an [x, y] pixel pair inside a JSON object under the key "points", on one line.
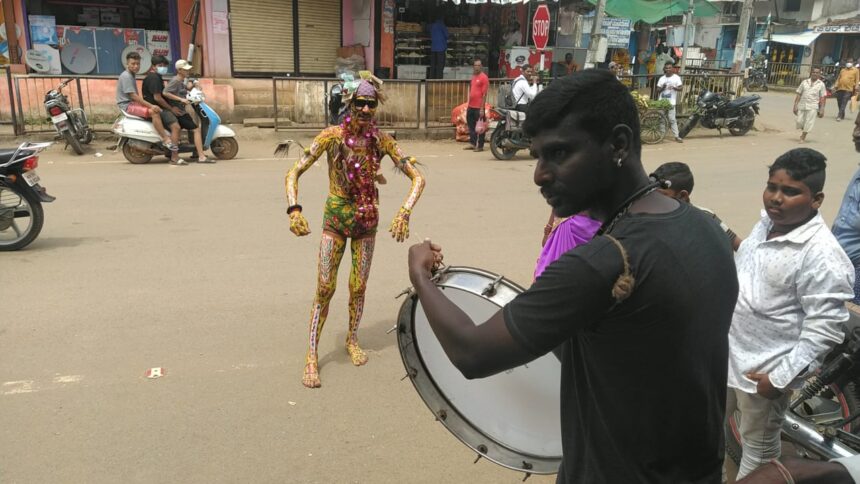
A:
{"points": [[8, 115], [791, 75], [84, 92], [694, 82], [303, 103]]}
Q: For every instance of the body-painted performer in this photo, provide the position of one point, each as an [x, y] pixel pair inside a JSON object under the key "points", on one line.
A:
{"points": [[355, 149]]}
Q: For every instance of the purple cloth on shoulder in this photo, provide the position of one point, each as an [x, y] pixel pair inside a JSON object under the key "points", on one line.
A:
{"points": [[574, 231]]}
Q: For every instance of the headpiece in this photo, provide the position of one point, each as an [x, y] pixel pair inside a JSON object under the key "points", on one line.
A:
{"points": [[366, 85]]}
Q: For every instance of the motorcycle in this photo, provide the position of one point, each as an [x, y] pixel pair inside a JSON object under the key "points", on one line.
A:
{"points": [[70, 123], [823, 419], [715, 111], [757, 80], [508, 136], [140, 142], [21, 196]]}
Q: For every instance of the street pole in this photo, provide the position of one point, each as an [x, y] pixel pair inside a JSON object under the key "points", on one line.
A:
{"points": [[688, 27], [11, 35], [596, 33], [741, 42]]}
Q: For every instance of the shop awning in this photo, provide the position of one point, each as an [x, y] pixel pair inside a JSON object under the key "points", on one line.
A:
{"points": [[801, 38], [652, 11]]}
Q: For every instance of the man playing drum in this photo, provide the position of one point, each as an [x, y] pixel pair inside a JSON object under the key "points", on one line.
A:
{"points": [[639, 315]]}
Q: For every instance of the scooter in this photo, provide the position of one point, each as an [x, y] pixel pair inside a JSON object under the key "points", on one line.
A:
{"points": [[21, 196], [140, 142], [70, 123]]}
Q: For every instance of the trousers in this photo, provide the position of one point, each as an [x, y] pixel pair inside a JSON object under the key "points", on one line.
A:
{"points": [[760, 424], [472, 116]]}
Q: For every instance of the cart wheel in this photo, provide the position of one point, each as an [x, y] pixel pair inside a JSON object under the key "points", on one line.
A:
{"points": [[653, 127]]}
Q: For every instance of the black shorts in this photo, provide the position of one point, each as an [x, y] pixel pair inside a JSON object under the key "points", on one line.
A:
{"points": [[185, 121]]}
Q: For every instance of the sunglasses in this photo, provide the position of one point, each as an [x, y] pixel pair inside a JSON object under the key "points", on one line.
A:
{"points": [[361, 103]]}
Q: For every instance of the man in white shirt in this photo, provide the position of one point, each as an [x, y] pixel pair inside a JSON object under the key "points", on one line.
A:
{"points": [[794, 280], [809, 102], [524, 89], [669, 86]]}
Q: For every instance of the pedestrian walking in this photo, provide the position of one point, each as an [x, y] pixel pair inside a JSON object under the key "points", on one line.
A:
{"points": [[846, 86], [809, 102], [670, 85], [475, 111]]}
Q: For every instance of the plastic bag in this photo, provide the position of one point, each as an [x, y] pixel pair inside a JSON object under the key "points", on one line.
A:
{"points": [[481, 126], [853, 104]]}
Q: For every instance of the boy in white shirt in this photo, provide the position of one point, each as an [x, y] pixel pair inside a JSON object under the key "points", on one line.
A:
{"points": [[670, 85], [794, 280]]}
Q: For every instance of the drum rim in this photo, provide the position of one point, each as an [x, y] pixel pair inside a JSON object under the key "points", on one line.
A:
{"points": [[442, 409]]}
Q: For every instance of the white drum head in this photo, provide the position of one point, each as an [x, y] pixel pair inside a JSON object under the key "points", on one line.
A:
{"points": [[512, 418]]}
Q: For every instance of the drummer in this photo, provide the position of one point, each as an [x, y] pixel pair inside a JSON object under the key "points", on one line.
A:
{"points": [[640, 313]]}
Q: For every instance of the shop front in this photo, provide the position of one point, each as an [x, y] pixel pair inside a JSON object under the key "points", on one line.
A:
{"points": [[86, 38], [838, 42], [285, 37]]}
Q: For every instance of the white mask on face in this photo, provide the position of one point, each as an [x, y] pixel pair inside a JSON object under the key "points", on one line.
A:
{"points": [[849, 65], [162, 70]]}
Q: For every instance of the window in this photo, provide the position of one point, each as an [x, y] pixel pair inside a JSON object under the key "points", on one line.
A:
{"points": [[792, 5]]}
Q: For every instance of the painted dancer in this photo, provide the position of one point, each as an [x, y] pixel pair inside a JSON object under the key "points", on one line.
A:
{"points": [[355, 149]]}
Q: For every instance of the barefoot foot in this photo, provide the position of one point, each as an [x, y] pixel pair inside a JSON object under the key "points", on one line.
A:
{"points": [[311, 377], [356, 354]]}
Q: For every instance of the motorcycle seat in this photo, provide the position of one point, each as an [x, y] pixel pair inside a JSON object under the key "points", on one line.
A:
{"points": [[131, 116], [743, 100], [6, 155]]}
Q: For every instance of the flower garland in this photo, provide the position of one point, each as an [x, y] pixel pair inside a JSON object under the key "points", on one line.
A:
{"points": [[362, 176]]}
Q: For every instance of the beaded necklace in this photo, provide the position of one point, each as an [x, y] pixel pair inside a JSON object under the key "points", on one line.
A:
{"points": [[362, 176]]}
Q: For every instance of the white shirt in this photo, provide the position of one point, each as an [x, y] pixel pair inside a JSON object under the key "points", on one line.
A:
{"points": [[667, 84], [791, 303], [522, 91]]}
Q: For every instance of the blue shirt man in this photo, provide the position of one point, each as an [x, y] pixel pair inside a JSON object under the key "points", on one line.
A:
{"points": [[846, 227], [438, 36]]}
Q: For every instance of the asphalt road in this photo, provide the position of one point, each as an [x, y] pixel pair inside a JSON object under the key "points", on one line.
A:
{"points": [[193, 269]]}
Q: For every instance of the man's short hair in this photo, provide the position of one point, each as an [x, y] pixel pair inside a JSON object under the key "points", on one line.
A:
{"points": [[595, 97], [132, 55], [524, 67], [677, 173], [568, 56], [669, 63], [804, 165], [157, 60]]}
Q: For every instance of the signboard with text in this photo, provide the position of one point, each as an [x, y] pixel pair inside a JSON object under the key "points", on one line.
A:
{"points": [[838, 29], [540, 27]]}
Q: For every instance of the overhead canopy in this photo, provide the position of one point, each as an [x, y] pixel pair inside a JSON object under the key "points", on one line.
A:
{"points": [[652, 11], [802, 38]]}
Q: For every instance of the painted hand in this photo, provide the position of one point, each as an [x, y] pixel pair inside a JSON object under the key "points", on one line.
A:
{"points": [[298, 223], [400, 225], [764, 387]]}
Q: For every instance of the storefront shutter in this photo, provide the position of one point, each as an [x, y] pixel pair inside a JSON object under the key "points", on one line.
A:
{"points": [[319, 35], [262, 36]]}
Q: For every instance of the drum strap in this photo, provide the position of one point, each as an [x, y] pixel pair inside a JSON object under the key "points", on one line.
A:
{"points": [[623, 286]]}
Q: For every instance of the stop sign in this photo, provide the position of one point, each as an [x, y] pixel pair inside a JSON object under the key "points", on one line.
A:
{"points": [[540, 27]]}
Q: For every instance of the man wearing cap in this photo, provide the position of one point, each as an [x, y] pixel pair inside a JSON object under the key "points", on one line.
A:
{"points": [[176, 92]]}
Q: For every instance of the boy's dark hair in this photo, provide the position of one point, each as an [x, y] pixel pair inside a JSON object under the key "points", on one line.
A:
{"points": [[804, 165], [597, 99], [677, 173], [157, 60], [132, 55]]}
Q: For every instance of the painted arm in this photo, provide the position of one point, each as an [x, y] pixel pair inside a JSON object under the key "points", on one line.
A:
{"points": [[298, 223], [400, 225]]}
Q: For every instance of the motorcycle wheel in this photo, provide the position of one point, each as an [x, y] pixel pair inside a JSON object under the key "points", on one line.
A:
{"points": [[89, 136], [688, 126], [653, 127], [73, 141], [15, 205], [133, 155], [225, 148], [496, 145], [743, 125], [834, 404]]}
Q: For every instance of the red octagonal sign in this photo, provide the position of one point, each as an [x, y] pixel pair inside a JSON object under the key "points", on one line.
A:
{"points": [[540, 27]]}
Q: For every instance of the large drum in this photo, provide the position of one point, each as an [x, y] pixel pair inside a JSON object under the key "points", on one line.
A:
{"points": [[512, 418]]}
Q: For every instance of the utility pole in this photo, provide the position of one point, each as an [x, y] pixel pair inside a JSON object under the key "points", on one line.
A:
{"points": [[11, 35], [688, 39], [741, 42], [596, 33]]}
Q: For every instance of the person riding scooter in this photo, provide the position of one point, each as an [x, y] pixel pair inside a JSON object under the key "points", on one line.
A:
{"points": [[153, 85], [129, 101], [177, 94]]}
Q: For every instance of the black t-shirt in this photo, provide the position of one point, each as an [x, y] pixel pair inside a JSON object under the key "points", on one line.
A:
{"points": [[152, 84], [643, 385]]}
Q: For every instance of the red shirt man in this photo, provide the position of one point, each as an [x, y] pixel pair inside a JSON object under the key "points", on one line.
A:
{"points": [[477, 94]]}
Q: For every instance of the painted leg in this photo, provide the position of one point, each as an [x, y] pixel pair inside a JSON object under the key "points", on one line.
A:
{"points": [[332, 248], [362, 254]]}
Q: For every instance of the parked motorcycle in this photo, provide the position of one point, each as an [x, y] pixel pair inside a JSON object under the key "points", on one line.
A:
{"points": [[823, 419], [715, 111], [508, 136], [757, 80], [140, 142], [21, 196], [70, 123]]}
